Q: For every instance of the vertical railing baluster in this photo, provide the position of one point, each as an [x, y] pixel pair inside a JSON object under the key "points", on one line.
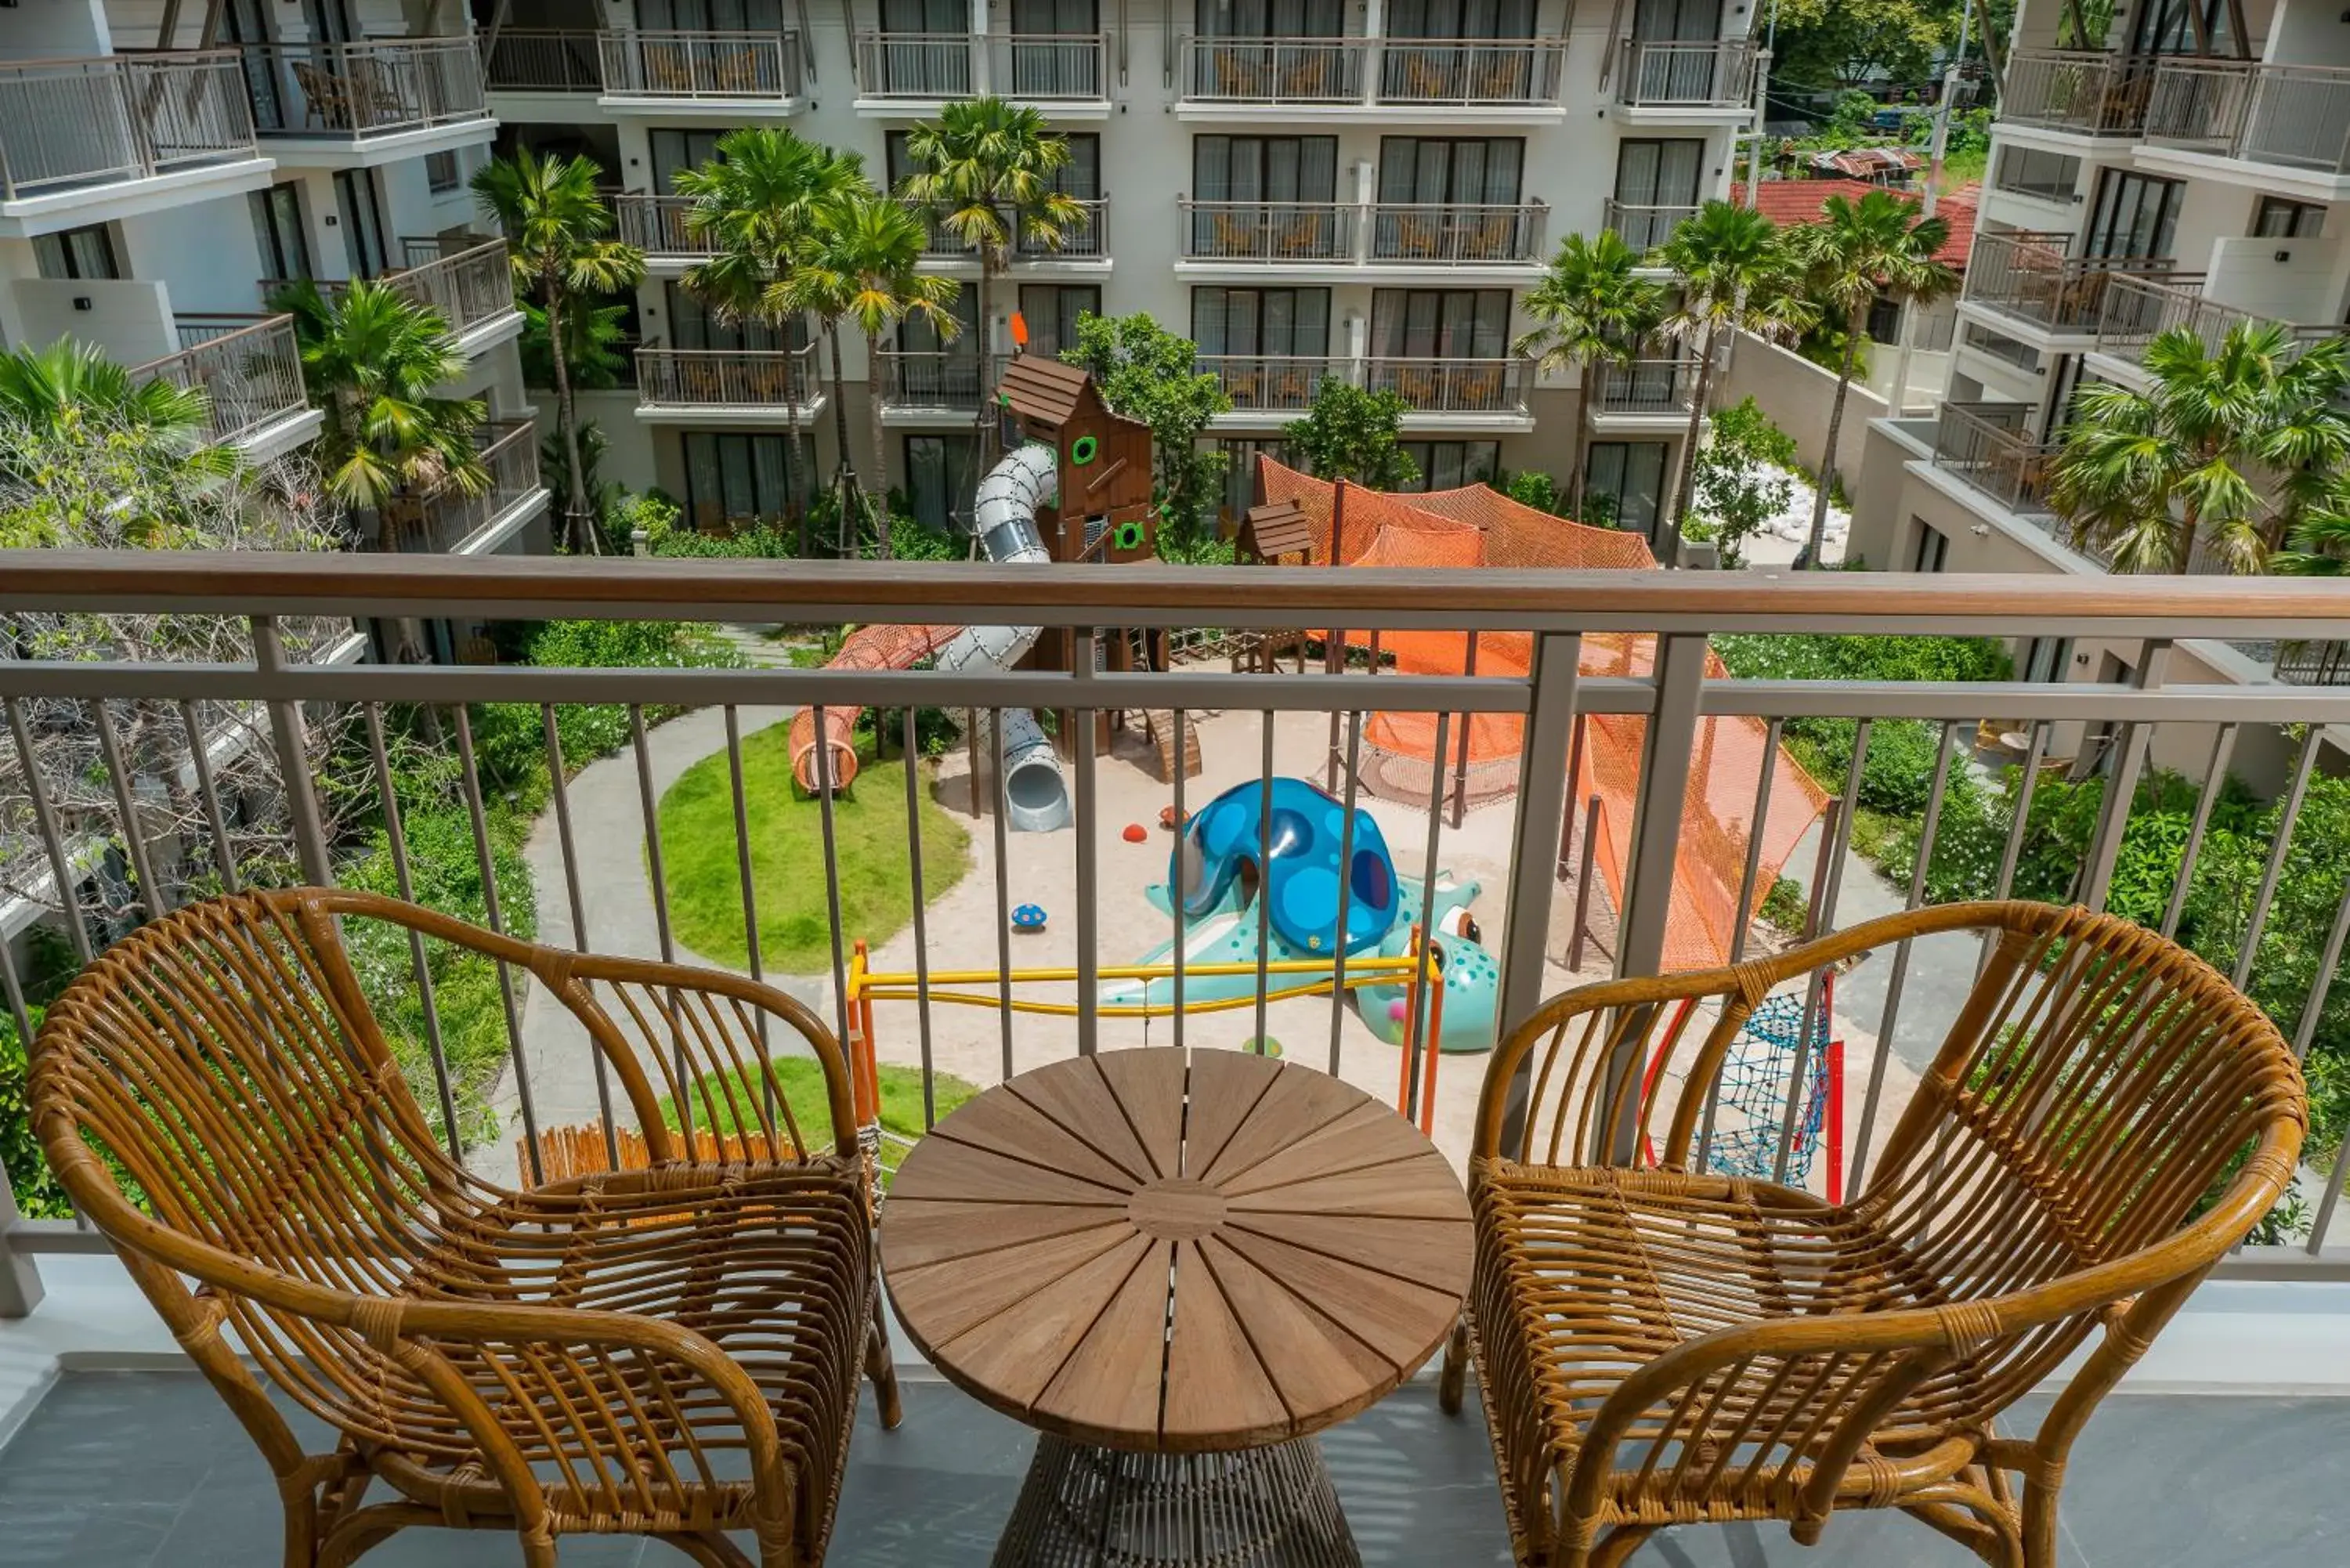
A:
{"points": [[1083, 652], [473, 782], [999, 803], [1175, 888], [1432, 850], [1555, 679], [2322, 981], [2215, 775], [199, 754], [560, 789], [657, 871], [2113, 815], [1895, 980], [2288, 817], [1836, 849], [1264, 868], [395, 834], [1750, 896], [911, 757], [45, 816], [293, 756], [825, 773], [1345, 881], [134, 837]]}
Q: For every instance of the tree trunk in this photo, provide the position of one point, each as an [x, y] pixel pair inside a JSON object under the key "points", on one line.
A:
{"points": [[880, 430], [576, 511], [1685, 470], [1817, 540], [844, 467], [794, 459], [986, 420], [1576, 458]]}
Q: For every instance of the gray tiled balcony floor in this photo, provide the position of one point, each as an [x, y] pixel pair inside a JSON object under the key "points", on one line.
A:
{"points": [[126, 1470]]}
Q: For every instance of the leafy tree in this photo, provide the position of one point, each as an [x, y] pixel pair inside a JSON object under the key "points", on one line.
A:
{"points": [[755, 203], [593, 330], [1145, 372], [1591, 309], [2319, 539], [558, 235], [1351, 432], [71, 391], [372, 359], [1858, 250], [867, 260], [1532, 487], [2219, 456], [1850, 43], [1736, 275], [1743, 476], [987, 171]]}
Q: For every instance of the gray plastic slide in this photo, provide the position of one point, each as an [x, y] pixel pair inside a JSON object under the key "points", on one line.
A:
{"points": [[1036, 798]]}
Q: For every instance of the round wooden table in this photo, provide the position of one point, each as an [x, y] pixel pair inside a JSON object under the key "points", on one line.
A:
{"points": [[1176, 1266]]}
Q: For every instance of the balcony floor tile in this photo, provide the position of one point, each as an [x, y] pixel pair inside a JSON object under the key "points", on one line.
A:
{"points": [[131, 1468]]}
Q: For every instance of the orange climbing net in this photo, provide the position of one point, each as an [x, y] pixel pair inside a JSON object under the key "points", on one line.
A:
{"points": [[867, 648], [1477, 526]]}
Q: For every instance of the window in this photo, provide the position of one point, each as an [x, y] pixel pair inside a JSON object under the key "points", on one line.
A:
{"points": [[1045, 18], [2278, 219], [1270, 19], [1631, 475], [2034, 171], [1656, 183], [2000, 346], [941, 476], [77, 254], [1884, 320], [2168, 27], [710, 16], [1933, 546], [1449, 464], [2045, 658], [277, 230], [734, 479], [1439, 323], [1461, 18], [1240, 472], [1051, 310], [1677, 21], [2136, 215], [361, 206], [676, 150], [1431, 171], [1265, 168], [441, 172], [1279, 322], [692, 325], [919, 334]]}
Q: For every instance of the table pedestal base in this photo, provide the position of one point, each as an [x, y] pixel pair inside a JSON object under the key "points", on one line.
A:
{"points": [[1083, 1507]]}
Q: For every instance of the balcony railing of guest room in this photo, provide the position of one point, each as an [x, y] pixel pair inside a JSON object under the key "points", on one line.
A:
{"points": [[2086, 92], [78, 123], [2297, 117], [1710, 73], [248, 366], [357, 91], [1603, 663]]}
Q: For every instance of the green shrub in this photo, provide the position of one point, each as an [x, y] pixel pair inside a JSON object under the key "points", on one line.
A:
{"points": [[38, 1196]]}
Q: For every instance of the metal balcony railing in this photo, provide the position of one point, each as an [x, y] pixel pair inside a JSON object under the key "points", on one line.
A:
{"points": [[1452, 386], [957, 379], [1643, 226], [1457, 233], [2028, 274], [702, 64], [783, 380], [1323, 71], [1278, 383], [917, 65], [468, 286], [1986, 446], [1086, 239], [1713, 73], [1489, 72], [544, 59], [1048, 67], [2313, 663], [355, 91], [656, 224], [1618, 660], [437, 520], [248, 366], [1647, 387], [2294, 116], [2085, 91], [1267, 231], [131, 116]]}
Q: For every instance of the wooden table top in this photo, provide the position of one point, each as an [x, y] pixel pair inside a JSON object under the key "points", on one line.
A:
{"points": [[1176, 1252]]}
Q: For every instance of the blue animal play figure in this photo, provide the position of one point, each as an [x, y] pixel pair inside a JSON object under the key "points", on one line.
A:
{"points": [[1235, 850]]}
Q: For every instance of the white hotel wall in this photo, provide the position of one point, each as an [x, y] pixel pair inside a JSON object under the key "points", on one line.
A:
{"points": [[1146, 158]]}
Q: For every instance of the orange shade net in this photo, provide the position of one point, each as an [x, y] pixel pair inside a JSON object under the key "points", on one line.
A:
{"points": [[867, 648], [1476, 526]]}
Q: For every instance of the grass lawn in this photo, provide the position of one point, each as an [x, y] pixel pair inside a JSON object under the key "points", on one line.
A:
{"points": [[803, 1084], [705, 891]]}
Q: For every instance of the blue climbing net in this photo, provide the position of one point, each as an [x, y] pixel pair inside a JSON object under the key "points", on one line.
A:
{"points": [[1751, 1120]]}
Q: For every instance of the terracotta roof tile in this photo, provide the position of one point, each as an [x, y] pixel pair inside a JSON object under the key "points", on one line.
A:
{"points": [[1800, 201]]}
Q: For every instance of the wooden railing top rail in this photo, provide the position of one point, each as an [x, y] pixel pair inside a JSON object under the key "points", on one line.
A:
{"points": [[544, 588]]}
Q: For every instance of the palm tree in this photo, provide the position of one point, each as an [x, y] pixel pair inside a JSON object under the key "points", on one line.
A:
{"points": [[558, 232], [2222, 455], [72, 387], [1735, 276], [987, 169], [756, 203], [867, 258], [371, 358], [1857, 251], [2320, 540], [1592, 308]]}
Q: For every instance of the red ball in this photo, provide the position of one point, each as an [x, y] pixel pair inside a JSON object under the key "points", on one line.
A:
{"points": [[1136, 833]]}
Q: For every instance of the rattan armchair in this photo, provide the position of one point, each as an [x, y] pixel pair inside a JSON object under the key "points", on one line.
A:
{"points": [[671, 1352], [1660, 1345]]}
